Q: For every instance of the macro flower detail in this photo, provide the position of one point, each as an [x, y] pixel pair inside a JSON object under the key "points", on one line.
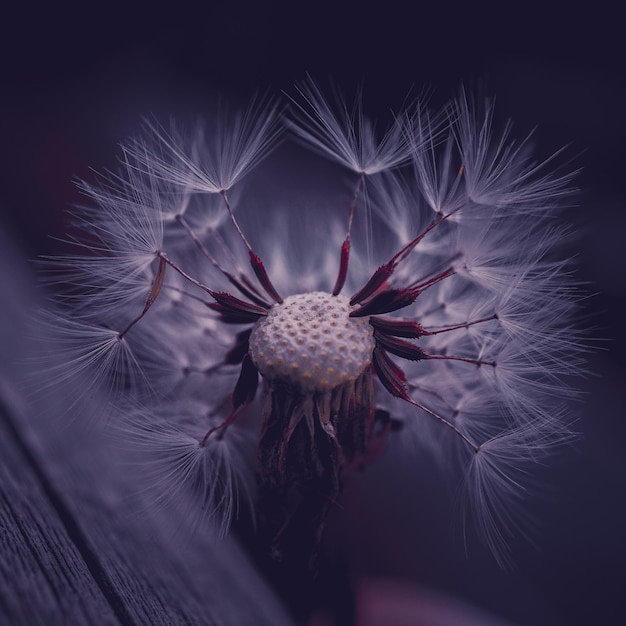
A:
{"points": [[311, 342], [430, 296]]}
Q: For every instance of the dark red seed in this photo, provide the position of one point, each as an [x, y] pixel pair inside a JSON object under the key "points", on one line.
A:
{"points": [[235, 311], [377, 280], [243, 285], [246, 386], [399, 347], [240, 349], [387, 301], [264, 279], [343, 266], [398, 327], [389, 374], [231, 316], [235, 304]]}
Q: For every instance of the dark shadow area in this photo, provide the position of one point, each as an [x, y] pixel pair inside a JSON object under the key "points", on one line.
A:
{"points": [[73, 85]]}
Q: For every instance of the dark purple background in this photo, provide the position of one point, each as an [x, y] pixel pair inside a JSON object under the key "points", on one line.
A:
{"points": [[74, 83]]}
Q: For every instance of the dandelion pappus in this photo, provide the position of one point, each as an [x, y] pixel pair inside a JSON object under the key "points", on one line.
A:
{"points": [[457, 323]]}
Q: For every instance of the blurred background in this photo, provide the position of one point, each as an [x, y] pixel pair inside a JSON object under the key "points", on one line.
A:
{"points": [[75, 81]]}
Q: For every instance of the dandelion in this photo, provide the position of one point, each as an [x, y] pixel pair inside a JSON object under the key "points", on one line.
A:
{"points": [[434, 300]]}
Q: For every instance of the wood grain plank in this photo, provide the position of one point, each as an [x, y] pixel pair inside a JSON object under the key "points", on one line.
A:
{"points": [[43, 577], [72, 550]]}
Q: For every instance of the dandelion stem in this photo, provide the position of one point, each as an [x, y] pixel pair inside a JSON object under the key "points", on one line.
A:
{"points": [[431, 392], [459, 326], [152, 296], [227, 252], [383, 273], [243, 394], [186, 276], [394, 380], [403, 253], [445, 422], [232, 279], [345, 248], [445, 357], [435, 279], [255, 261], [183, 222], [186, 294], [234, 221]]}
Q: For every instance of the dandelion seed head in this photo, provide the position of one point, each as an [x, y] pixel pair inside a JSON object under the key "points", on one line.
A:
{"points": [[310, 341], [438, 295]]}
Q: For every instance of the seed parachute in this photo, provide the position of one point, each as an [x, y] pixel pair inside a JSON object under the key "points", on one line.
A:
{"points": [[428, 297]]}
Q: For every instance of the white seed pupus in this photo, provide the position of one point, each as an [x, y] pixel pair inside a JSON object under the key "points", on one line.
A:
{"points": [[311, 342]]}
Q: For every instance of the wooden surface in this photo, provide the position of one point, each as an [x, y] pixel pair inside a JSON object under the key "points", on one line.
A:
{"points": [[71, 549]]}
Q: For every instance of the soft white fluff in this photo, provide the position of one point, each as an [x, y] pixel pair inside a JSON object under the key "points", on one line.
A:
{"points": [[509, 302]]}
